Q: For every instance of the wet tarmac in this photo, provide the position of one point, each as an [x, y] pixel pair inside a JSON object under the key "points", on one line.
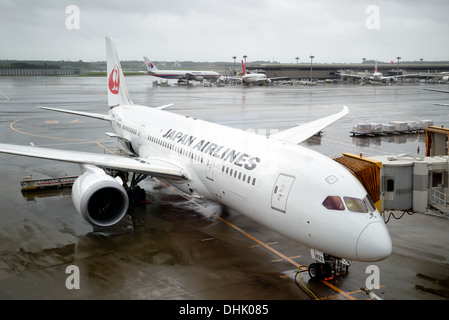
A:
{"points": [[177, 248]]}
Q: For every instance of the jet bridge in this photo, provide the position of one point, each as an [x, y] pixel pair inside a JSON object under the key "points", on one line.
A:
{"points": [[414, 184], [403, 182], [367, 171]]}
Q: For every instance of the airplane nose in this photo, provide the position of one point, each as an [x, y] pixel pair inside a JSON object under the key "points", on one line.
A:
{"points": [[374, 243]]}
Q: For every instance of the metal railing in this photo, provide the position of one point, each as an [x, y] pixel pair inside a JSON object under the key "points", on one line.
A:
{"points": [[439, 199]]}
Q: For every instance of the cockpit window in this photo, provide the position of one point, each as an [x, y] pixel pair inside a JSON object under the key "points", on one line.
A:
{"points": [[355, 205], [333, 203], [369, 203]]}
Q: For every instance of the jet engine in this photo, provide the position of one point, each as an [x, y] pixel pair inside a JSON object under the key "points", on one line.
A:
{"points": [[99, 198], [199, 78]]}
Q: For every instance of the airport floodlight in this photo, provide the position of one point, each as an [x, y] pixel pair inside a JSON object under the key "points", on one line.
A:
{"points": [[311, 61]]}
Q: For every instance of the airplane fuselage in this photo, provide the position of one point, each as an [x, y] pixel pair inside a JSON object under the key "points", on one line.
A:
{"points": [[278, 184], [255, 78], [184, 74]]}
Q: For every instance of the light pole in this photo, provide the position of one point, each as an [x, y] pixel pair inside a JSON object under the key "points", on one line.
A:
{"points": [[397, 70], [244, 57], [234, 57], [311, 61], [297, 60]]}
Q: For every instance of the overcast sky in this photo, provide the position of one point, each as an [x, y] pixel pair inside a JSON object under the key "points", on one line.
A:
{"points": [[217, 30]]}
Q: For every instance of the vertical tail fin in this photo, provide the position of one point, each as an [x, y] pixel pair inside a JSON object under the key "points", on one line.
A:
{"points": [[151, 67], [375, 68], [243, 68], [117, 91]]}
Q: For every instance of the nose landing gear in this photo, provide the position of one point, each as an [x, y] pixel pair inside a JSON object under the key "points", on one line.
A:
{"points": [[327, 266]]}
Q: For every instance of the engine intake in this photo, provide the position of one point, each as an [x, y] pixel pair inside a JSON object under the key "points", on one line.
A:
{"points": [[99, 198]]}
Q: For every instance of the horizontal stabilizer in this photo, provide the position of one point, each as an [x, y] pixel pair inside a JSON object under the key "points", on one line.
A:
{"points": [[81, 113]]}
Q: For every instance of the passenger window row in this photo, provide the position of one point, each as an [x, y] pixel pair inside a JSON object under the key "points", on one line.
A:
{"points": [[238, 175], [179, 150]]}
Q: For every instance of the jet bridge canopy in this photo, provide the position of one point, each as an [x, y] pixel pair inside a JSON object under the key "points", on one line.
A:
{"points": [[437, 141], [367, 171]]}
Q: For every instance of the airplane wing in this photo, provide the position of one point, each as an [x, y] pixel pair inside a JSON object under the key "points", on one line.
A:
{"points": [[149, 166], [164, 106], [351, 75], [278, 78], [400, 76], [437, 90], [303, 132], [190, 76]]}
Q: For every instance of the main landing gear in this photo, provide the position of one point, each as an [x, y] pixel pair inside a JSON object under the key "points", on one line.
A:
{"points": [[135, 193], [327, 266]]}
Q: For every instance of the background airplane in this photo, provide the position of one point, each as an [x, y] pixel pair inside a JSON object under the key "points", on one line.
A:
{"points": [[376, 76], [297, 192], [181, 75], [436, 77], [255, 78]]}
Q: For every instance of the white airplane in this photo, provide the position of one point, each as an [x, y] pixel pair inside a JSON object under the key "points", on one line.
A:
{"points": [[375, 77], [181, 75], [438, 77], [297, 192], [255, 78]]}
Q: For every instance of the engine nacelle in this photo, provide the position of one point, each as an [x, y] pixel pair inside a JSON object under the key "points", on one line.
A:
{"points": [[99, 198], [199, 78]]}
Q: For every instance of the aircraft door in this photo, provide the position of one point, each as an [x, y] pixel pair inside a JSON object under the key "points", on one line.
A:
{"points": [[210, 170], [281, 191]]}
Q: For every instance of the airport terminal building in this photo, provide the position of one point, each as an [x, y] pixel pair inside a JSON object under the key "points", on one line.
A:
{"points": [[322, 71]]}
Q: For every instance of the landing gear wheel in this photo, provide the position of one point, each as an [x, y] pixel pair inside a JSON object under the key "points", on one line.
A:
{"points": [[139, 195], [327, 270], [315, 271]]}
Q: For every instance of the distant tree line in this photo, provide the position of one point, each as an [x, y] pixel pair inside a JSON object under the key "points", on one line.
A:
{"points": [[25, 65]]}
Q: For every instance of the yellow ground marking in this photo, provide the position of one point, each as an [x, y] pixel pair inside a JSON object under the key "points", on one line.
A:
{"points": [[12, 126]]}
